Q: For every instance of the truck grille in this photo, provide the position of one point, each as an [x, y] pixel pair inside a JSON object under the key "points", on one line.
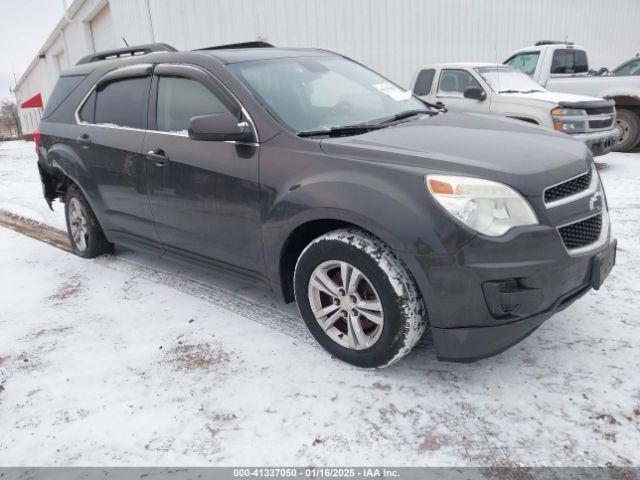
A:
{"points": [[600, 123], [599, 110], [568, 188], [582, 233]]}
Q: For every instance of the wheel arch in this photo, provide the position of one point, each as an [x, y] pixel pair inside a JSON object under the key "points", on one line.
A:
{"points": [[308, 230], [625, 100], [61, 168]]}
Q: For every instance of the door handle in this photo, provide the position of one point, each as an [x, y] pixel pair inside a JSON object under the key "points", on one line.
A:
{"points": [[158, 156], [84, 139]]}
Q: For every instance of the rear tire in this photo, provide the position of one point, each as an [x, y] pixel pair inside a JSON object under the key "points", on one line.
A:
{"points": [[372, 319], [628, 123], [85, 233]]}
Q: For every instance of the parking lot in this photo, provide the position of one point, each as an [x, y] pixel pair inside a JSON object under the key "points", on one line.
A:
{"points": [[133, 359]]}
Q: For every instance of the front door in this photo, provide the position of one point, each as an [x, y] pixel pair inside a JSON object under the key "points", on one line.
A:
{"points": [[204, 194], [451, 86]]}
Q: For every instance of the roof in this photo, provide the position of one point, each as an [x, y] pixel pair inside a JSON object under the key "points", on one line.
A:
{"points": [[464, 65], [237, 55], [224, 56]]}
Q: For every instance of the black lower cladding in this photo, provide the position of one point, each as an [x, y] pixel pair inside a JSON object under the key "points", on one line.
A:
{"points": [[494, 293], [582, 233], [603, 263]]}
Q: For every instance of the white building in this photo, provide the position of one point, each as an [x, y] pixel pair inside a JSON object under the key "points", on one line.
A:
{"points": [[394, 37]]}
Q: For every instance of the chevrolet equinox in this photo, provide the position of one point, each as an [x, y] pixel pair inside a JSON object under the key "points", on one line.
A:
{"points": [[381, 215]]}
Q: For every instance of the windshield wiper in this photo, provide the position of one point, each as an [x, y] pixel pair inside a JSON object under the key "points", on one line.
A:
{"points": [[366, 127], [511, 91], [406, 114], [345, 130]]}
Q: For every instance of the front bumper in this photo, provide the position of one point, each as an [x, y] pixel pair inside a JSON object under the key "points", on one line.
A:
{"points": [[599, 143], [494, 293]]}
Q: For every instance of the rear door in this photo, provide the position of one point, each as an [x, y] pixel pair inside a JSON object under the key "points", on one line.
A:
{"points": [[112, 121], [204, 194]]}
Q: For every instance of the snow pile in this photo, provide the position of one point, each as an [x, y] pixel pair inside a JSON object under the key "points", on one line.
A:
{"points": [[133, 360]]}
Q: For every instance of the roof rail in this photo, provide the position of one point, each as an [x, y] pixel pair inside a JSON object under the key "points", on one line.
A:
{"points": [[255, 44], [553, 42], [126, 52]]}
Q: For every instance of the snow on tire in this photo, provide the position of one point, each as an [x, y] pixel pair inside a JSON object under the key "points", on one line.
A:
{"points": [[358, 299]]}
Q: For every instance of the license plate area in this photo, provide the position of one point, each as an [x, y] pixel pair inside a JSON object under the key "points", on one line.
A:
{"points": [[602, 265]]}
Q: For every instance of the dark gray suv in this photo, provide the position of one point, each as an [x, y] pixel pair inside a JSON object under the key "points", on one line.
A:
{"points": [[379, 214]]}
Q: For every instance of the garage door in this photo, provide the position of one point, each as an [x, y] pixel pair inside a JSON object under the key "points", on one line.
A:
{"points": [[102, 30]]}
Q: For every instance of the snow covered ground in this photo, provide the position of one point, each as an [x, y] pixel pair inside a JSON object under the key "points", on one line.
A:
{"points": [[133, 360]]}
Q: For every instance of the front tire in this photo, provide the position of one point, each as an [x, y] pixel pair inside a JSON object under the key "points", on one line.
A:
{"points": [[357, 299], [85, 233], [628, 124]]}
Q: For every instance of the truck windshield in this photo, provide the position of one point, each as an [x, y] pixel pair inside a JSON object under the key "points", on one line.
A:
{"points": [[320, 93], [508, 80]]}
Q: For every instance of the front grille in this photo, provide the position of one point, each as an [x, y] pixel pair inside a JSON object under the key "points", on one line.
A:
{"points": [[582, 233], [600, 123], [568, 188], [599, 110]]}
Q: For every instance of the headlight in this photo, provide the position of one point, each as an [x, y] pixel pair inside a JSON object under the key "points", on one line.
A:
{"points": [[569, 120], [489, 207]]}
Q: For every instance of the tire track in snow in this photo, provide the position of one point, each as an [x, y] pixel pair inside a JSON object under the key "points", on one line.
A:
{"points": [[272, 318]]}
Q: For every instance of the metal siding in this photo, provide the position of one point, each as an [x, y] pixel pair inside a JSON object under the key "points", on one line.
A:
{"points": [[395, 37], [102, 30]]}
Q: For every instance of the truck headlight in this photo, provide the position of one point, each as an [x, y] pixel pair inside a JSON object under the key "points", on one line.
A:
{"points": [[569, 120], [488, 207]]}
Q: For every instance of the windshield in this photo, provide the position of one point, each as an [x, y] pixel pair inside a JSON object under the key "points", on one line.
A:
{"points": [[508, 80], [319, 93]]}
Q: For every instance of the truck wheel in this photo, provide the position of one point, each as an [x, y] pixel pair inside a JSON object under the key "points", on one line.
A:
{"points": [[85, 234], [628, 124], [357, 299]]}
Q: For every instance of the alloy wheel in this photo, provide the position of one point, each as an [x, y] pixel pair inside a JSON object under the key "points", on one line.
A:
{"points": [[78, 224], [346, 305]]}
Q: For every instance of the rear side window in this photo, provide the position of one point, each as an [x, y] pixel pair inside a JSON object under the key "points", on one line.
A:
{"points": [[64, 87], [569, 61], [424, 81], [525, 62], [180, 99], [122, 103]]}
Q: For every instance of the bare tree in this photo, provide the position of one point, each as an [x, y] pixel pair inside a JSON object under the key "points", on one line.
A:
{"points": [[9, 116]]}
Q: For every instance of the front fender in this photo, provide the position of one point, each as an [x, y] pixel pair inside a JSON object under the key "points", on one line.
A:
{"points": [[392, 204]]}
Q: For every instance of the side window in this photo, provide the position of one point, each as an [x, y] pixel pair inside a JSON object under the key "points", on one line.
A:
{"points": [[525, 62], [123, 103], [453, 83], [424, 81], [88, 111], [631, 68], [569, 61], [64, 87], [180, 99]]}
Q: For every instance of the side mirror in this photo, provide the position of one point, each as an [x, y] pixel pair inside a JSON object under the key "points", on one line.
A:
{"points": [[219, 127], [475, 93]]}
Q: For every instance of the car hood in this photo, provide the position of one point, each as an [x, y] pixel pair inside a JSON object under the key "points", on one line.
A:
{"points": [[555, 97], [527, 157]]}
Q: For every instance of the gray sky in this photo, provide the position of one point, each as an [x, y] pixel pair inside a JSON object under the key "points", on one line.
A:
{"points": [[24, 26]]}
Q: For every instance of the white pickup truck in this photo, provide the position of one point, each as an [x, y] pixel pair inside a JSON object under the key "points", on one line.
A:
{"points": [[505, 91], [564, 67]]}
